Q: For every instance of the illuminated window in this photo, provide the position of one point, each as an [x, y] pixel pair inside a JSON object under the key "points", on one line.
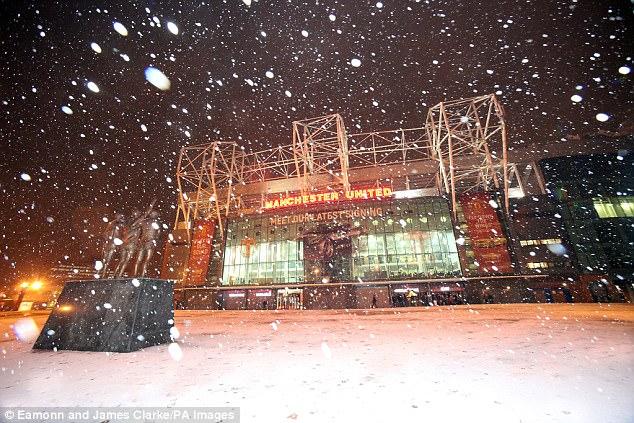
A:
{"points": [[259, 252], [605, 209], [539, 265], [549, 241], [627, 206]]}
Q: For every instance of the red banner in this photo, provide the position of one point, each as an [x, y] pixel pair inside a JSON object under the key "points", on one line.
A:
{"points": [[200, 253], [487, 235]]}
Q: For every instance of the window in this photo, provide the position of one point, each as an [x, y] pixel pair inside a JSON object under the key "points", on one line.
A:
{"points": [[413, 239], [605, 209], [614, 207], [549, 241], [627, 206], [538, 265]]}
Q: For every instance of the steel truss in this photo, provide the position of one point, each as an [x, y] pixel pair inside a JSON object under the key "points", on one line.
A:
{"points": [[469, 142], [462, 147]]}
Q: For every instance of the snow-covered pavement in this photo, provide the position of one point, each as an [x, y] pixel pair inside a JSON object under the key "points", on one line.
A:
{"points": [[495, 363]]}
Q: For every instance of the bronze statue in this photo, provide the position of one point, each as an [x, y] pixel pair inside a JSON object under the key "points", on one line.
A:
{"points": [[112, 241], [150, 234], [130, 242], [139, 239]]}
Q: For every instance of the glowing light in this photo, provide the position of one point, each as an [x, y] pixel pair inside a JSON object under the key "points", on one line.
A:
{"points": [[25, 330], [355, 62]]}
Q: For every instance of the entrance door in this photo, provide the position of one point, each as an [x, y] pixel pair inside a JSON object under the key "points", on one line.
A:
{"points": [[290, 299]]}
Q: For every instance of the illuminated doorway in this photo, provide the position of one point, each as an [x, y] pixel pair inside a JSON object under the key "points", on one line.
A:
{"points": [[290, 299]]}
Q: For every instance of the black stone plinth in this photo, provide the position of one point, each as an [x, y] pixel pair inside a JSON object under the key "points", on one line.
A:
{"points": [[117, 315]]}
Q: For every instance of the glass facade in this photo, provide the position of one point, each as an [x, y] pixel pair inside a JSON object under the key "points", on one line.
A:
{"points": [[374, 240]]}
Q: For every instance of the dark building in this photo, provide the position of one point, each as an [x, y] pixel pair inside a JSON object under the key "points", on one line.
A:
{"points": [[595, 194], [541, 247]]}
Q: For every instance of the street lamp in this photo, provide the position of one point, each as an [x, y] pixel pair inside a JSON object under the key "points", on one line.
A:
{"points": [[24, 286]]}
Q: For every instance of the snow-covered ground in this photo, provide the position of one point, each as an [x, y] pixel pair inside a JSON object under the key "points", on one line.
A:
{"points": [[495, 363]]}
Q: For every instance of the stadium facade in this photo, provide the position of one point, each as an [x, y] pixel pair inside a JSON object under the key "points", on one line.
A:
{"points": [[447, 213]]}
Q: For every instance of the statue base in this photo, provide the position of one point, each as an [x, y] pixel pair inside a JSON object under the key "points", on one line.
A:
{"points": [[116, 315]]}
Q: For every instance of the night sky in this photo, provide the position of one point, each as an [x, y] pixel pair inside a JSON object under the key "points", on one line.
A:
{"points": [[62, 173]]}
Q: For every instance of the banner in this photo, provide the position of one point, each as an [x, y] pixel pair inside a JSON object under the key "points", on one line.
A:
{"points": [[325, 241], [327, 251], [200, 253], [487, 236]]}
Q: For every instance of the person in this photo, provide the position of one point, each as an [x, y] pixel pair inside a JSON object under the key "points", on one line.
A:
{"points": [[374, 301]]}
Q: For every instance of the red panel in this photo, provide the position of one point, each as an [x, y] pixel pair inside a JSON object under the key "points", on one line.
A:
{"points": [[200, 252], [487, 235]]}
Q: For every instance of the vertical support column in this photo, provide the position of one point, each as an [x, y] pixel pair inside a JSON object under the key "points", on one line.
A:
{"points": [[342, 139], [199, 187], [505, 175], [539, 176], [214, 190], [452, 173], [300, 155]]}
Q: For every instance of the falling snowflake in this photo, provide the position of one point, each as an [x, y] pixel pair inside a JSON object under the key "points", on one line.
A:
{"points": [[602, 117], [122, 30], [175, 351], [92, 87], [157, 78], [171, 27], [325, 349]]}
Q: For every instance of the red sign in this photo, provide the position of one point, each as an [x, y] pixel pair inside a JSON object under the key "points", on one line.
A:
{"points": [[200, 253], [487, 235], [328, 197]]}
